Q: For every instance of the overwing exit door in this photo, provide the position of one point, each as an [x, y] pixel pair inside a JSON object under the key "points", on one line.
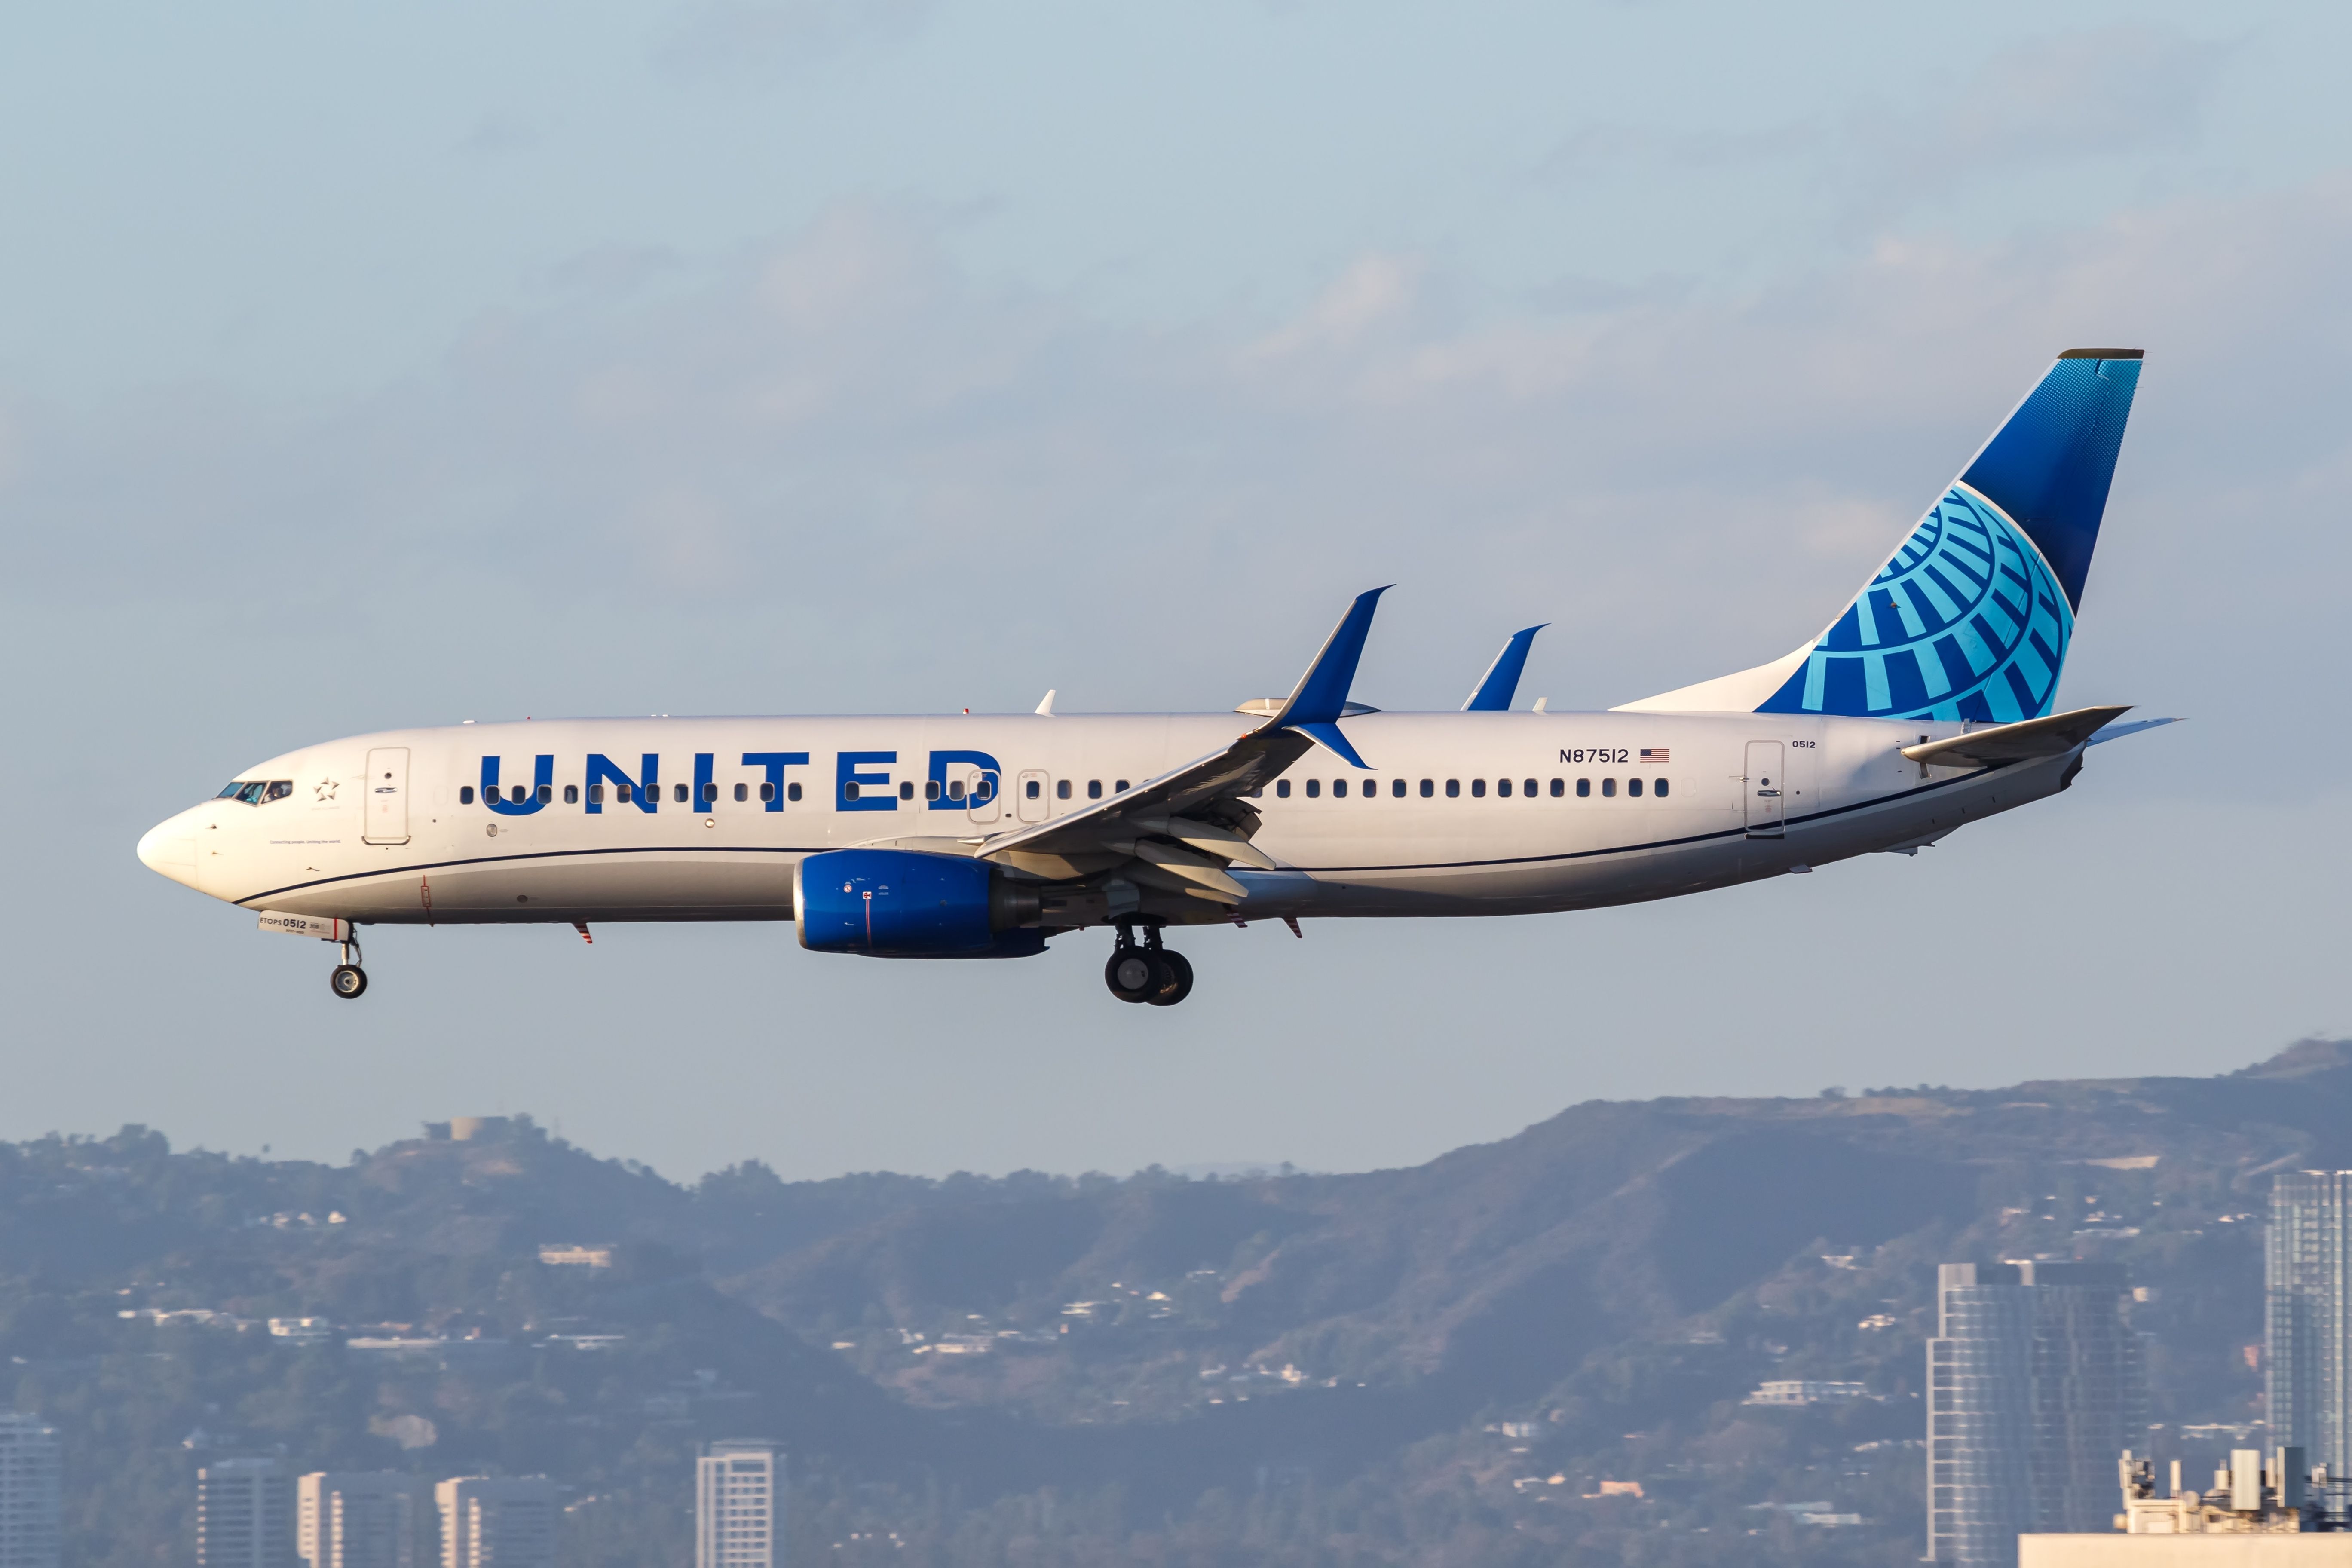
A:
{"points": [[386, 795], [1764, 786]]}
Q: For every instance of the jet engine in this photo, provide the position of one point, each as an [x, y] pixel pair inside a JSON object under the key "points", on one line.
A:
{"points": [[906, 903]]}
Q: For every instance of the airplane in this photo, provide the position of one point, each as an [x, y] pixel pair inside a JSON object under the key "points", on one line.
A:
{"points": [[1926, 704]]}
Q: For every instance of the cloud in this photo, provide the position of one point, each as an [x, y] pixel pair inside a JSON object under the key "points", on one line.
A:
{"points": [[2055, 102], [750, 40], [840, 458]]}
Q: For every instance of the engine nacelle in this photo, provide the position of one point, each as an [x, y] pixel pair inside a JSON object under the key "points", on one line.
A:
{"points": [[904, 903]]}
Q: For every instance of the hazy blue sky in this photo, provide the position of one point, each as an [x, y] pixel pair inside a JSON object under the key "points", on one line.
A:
{"points": [[365, 367]]}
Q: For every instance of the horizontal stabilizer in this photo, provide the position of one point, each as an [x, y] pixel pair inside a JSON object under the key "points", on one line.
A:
{"points": [[2019, 742], [2117, 731]]}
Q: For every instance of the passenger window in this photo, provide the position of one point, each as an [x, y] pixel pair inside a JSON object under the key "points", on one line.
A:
{"points": [[1034, 790], [1396, 789], [1120, 787], [1478, 789], [1314, 788], [677, 794], [1452, 788], [849, 792], [595, 794], [907, 789], [1531, 789], [465, 795], [1282, 789], [955, 789], [985, 790], [1503, 788], [1338, 789], [743, 792], [1094, 789], [1634, 787], [792, 792], [711, 793], [1061, 789], [1661, 789], [624, 793], [1583, 788], [546, 793], [768, 792], [930, 789], [1558, 788], [1428, 788], [1608, 787], [571, 794]]}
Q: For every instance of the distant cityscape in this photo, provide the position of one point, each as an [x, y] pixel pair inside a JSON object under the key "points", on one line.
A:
{"points": [[254, 1512], [485, 1348]]}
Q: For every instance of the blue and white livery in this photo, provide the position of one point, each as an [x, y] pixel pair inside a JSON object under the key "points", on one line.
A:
{"points": [[1928, 703]]}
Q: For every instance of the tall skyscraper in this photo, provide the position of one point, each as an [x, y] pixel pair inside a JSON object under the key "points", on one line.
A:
{"points": [[497, 1522], [2307, 1269], [739, 1506], [2035, 1385], [29, 1475], [355, 1520], [244, 1515]]}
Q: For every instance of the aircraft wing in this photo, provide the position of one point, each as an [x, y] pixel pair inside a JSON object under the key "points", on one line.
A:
{"points": [[2018, 743], [1189, 823]]}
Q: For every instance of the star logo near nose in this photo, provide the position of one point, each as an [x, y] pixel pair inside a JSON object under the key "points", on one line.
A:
{"points": [[324, 790]]}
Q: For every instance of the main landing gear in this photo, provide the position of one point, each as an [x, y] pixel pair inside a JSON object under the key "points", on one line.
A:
{"points": [[349, 981], [1147, 973]]}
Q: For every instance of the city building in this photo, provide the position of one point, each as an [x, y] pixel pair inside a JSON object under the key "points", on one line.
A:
{"points": [[244, 1515], [2307, 1269], [2035, 1382], [739, 1506], [497, 1522], [29, 1475], [355, 1520]]}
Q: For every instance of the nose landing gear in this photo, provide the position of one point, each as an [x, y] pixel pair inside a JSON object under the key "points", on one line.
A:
{"points": [[1148, 973], [349, 981]]}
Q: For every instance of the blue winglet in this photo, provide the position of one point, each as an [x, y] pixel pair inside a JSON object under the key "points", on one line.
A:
{"points": [[1322, 692], [1501, 681]]}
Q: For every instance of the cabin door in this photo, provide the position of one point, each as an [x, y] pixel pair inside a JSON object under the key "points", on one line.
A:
{"points": [[1764, 786], [386, 796]]}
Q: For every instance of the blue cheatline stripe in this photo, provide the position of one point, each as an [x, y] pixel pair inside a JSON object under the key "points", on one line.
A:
{"points": [[1739, 832]]}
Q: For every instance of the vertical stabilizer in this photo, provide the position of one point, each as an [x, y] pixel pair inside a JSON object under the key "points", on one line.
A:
{"points": [[1971, 617]]}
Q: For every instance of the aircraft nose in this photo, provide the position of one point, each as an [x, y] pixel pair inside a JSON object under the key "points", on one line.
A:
{"points": [[170, 848]]}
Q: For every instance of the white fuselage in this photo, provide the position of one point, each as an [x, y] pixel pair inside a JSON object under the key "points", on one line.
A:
{"points": [[392, 828]]}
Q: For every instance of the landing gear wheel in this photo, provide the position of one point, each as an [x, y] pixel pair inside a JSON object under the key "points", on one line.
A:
{"points": [[349, 981], [1131, 974], [1176, 980]]}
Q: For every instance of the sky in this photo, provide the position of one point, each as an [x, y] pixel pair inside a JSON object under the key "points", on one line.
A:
{"points": [[364, 367]]}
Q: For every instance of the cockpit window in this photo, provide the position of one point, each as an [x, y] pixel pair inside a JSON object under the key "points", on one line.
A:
{"points": [[279, 789], [253, 792]]}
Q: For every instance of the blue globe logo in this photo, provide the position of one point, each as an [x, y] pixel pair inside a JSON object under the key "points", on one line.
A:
{"points": [[1965, 622]]}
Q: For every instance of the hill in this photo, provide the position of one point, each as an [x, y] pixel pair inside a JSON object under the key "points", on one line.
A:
{"points": [[1430, 1365]]}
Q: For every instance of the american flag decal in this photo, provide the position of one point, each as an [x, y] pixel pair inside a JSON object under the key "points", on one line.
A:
{"points": [[1660, 754]]}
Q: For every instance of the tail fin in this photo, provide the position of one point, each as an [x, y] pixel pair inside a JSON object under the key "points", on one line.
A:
{"points": [[1971, 617]]}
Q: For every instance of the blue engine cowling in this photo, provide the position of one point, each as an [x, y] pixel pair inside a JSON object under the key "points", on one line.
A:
{"points": [[903, 903]]}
